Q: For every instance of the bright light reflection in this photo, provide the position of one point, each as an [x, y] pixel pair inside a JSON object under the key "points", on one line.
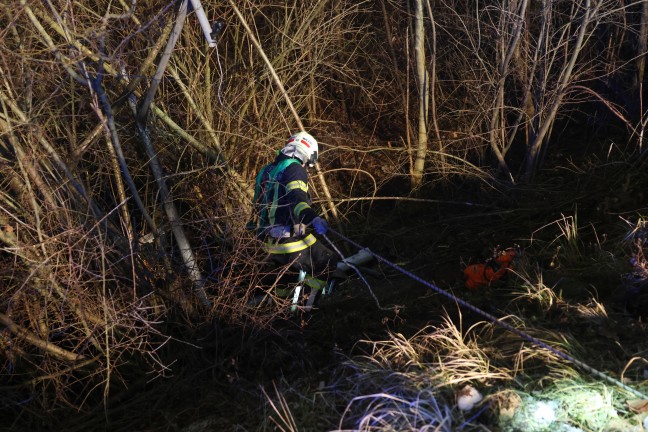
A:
{"points": [[544, 413]]}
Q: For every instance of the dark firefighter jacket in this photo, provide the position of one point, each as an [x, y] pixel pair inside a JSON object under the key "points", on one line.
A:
{"points": [[283, 200]]}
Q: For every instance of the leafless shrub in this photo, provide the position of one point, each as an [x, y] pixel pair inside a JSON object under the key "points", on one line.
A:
{"points": [[88, 279], [88, 283]]}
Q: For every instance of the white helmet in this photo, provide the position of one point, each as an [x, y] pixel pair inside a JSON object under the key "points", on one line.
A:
{"points": [[302, 146]]}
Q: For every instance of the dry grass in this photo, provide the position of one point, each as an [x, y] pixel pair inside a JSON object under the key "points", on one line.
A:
{"points": [[94, 289], [91, 272], [411, 383]]}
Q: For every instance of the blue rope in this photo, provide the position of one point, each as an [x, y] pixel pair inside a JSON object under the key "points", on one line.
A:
{"points": [[499, 322]]}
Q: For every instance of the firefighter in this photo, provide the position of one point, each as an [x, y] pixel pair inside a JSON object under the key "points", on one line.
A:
{"points": [[285, 220]]}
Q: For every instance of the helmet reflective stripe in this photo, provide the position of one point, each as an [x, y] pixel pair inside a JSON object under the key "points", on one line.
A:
{"points": [[301, 141], [303, 146]]}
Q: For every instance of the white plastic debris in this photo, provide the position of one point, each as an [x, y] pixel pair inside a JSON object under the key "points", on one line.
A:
{"points": [[468, 397]]}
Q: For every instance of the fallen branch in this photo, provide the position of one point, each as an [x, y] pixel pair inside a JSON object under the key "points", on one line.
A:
{"points": [[46, 346]]}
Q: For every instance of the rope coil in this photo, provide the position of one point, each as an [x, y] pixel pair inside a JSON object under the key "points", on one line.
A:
{"points": [[495, 320]]}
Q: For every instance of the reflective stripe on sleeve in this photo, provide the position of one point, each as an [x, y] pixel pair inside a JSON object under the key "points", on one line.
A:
{"points": [[297, 184], [291, 247], [300, 207]]}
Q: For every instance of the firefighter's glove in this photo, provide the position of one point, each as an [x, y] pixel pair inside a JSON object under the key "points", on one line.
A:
{"points": [[320, 225]]}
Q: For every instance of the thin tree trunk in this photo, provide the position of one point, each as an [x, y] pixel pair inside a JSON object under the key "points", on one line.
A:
{"points": [[532, 154], [142, 112], [392, 54], [186, 251], [433, 76], [526, 71], [642, 46], [497, 122], [282, 90], [111, 130], [243, 186], [422, 79]]}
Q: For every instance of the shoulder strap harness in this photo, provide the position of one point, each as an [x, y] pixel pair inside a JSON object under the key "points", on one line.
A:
{"points": [[266, 192]]}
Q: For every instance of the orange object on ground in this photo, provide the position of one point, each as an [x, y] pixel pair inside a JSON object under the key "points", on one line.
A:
{"points": [[479, 275]]}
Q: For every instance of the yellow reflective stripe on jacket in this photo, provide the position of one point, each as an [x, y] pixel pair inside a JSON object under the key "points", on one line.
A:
{"points": [[300, 207], [296, 246], [297, 184]]}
